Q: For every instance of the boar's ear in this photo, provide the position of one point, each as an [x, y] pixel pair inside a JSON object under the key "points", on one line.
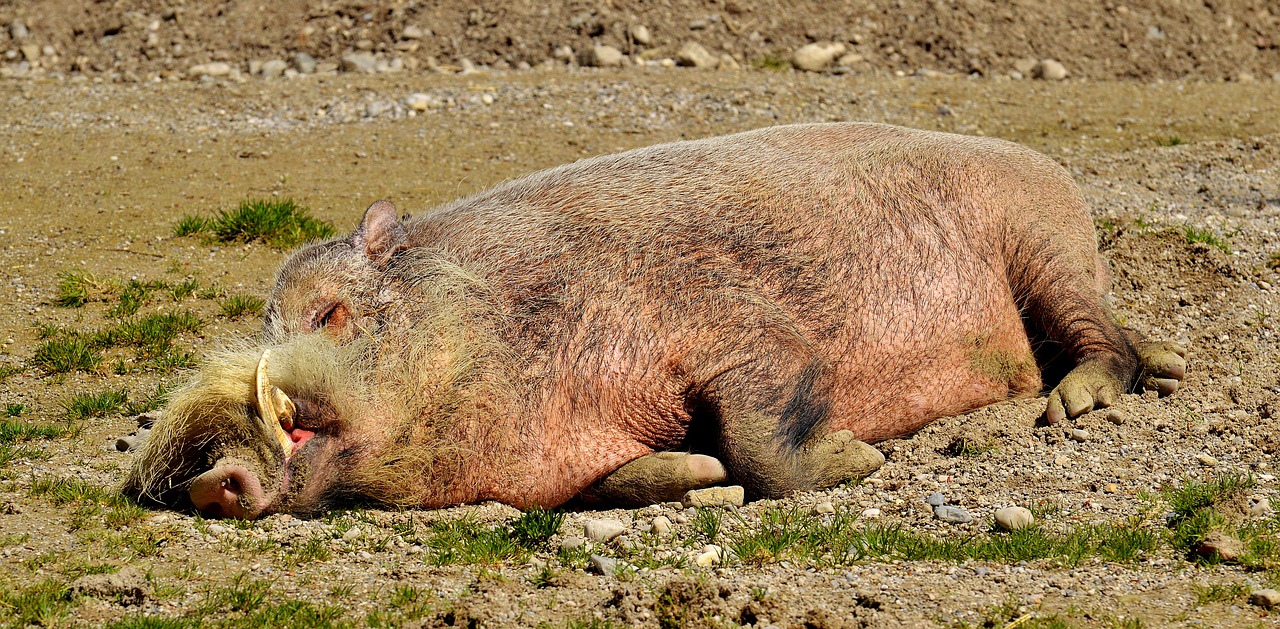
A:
{"points": [[380, 233]]}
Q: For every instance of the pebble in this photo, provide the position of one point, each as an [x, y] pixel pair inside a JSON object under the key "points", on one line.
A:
{"points": [[709, 556], [1062, 461], [305, 63], [1221, 545], [1111, 488], [1259, 506], [640, 34], [125, 444], [1014, 518], [714, 497], [1050, 70], [1265, 599], [817, 56], [871, 513], [411, 32], [1206, 460], [1117, 417], [955, 515], [692, 54], [18, 30], [363, 62], [603, 530], [351, 534], [604, 565], [217, 68], [604, 57], [1078, 434], [572, 542], [217, 529], [935, 500], [824, 508], [418, 101], [273, 68], [661, 525], [30, 52]]}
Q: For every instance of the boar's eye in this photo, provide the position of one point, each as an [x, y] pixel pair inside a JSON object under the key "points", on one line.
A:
{"points": [[334, 318]]}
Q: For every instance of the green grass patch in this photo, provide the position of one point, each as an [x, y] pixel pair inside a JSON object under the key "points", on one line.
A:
{"points": [[1172, 140], [1220, 592], [14, 410], [707, 523], [280, 223], [535, 527], [93, 502], [65, 353], [237, 306], [1273, 260], [9, 370], [14, 431], [100, 404], [132, 296], [1206, 236], [74, 288], [45, 604], [772, 61], [185, 289]]}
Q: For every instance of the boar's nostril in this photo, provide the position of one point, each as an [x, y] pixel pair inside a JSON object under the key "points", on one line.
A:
{"points": [[227, 491]]}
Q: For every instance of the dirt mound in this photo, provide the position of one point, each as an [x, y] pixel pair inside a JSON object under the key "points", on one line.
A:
{"points": [[1097, 39]]}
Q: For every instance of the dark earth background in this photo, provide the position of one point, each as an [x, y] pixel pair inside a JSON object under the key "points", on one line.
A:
{"points": [[116, 120]]}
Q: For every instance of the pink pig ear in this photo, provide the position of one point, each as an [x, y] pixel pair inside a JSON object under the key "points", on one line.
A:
{"points": [[380, 233]]}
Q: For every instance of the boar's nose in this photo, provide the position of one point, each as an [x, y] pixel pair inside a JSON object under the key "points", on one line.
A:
{"points": [[229, 490]]}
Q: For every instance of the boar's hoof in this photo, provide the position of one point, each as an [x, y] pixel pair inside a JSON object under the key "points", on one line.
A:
{"points": [[658, 477], [229, 490], [1163, 365], [1090, 385], [839, 457]]}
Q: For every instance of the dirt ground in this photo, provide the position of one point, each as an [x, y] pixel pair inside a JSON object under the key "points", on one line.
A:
{"points": [[94, 172]]}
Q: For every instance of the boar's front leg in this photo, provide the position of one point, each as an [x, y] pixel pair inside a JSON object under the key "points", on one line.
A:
{"points": [[658, 477]]}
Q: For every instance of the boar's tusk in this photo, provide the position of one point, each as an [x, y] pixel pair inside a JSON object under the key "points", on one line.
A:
{"points": [[273, 407]]}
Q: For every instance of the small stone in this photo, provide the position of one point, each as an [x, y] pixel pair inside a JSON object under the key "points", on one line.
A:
{"points": [[1220, 545], [1078, 434], [603, 57], [18, 30], [273, 68], [935, 500], [215, 69], [604, 565], [30, 52], [125, 444], [817, 56], [1062, 461], [1259, 506], [1050, 70], [418, 101], [363, 62], [1014, 518], [871, 513], [850, 59], [1025, 67], [824, 508], [714, 497], [727, 62], [640, 34], [1111, 488], [955, 515], [1265, 599], [217, 529], [603, 530], [352, 533], [255, 66], [709, 556], [1117, 416], [692, 54], [572, 542], [411, 32], [1206, 460], [661, 525], [305, 63], [127, 587]]}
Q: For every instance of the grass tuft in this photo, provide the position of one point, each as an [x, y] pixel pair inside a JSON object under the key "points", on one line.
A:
{"points": [[65, 353], [1195, 235], [236, 306], [283, 224], [1172, 140], [535, 527], [44, 604], [101, 404], [73, 288], [190, 226], [13, 431], [1220, 592]]}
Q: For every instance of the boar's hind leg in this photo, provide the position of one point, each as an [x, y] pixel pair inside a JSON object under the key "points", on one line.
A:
{"points": [[1161, 364], [658, 477]]}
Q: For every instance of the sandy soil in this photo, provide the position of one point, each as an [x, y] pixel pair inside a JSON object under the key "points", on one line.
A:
{"points": [[93, 176]]}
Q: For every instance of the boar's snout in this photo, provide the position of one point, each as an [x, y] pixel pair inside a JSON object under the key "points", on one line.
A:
{"points": [[229, 490]]}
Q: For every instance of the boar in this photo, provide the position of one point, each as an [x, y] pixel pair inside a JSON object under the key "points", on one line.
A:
{"points": [[775, 299]]}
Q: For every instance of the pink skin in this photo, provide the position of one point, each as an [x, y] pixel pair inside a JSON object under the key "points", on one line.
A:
{"points": [[231, 490]]}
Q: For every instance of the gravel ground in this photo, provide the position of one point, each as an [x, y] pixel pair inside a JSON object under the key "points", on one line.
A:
{"points": [[96, 173]]}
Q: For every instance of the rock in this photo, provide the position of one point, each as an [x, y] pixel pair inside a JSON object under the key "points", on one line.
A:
{"points": [[935, 500], [603, 57], [30, 52], [305, 63], [418, 101], [18, 30], [411, 32], [572, 542], [817, 56], [217, 529], [871, 513], [1078, 434], [604, 565], [1050, 70], [850, 59], [955, 515], [1265, 599], [129, 586], [692, 54], [714, 497], [1259, 506], [727, 62], [824, 508], [1111, 488], [255, 66], [1117, 416], [1014, 518], [661, 525], [215, 69], [273, 68], [603, 530], [352, 533], [363, 62], [1206, 460], [710, 555], [1062, 461], [1025, 67], [640, 34], [326, 67], [125, 444], [1221, 546]]}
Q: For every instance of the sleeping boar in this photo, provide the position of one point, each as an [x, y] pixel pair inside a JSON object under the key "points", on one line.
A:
{"points": [[775, 298]]}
